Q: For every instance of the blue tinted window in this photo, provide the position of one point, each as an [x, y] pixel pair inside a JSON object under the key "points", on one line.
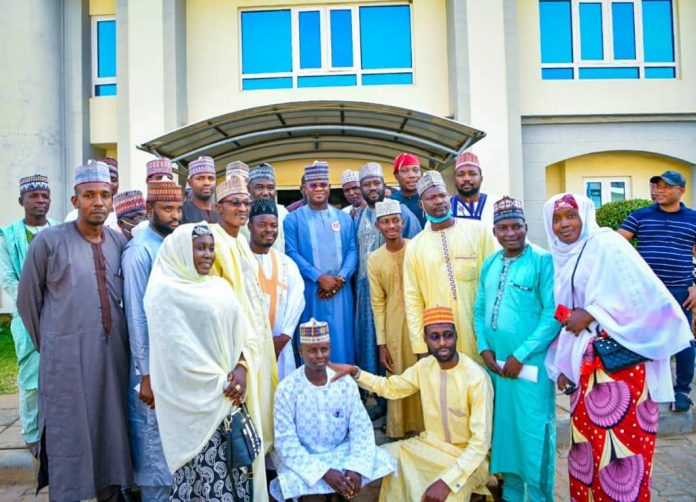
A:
{"points": [[310, 39], [106, 49], [341, 39], [385, 37], [624, 30], [327, 81], [594, 192], [608, 73], [591, 39], [387, 78], [658, 31], [660, 73], [251, 84], [556, 34], [266, 42], [557, 73], [105, 90]]}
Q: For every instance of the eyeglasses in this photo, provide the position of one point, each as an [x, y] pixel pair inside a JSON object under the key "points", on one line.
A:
{"points": [[238, 203], [436, 337], [315, 185]]}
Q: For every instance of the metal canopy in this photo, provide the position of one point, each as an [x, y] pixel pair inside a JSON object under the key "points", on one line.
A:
{"points": [[318, 130]]}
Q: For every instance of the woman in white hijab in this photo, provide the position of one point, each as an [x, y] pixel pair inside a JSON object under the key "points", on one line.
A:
{"points": [[610, 290], [202, 360]]}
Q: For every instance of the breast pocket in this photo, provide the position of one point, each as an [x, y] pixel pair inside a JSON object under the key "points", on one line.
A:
{"points": [[465, 268]]}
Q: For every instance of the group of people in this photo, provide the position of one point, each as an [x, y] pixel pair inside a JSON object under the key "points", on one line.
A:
{"points": [[219, 346]]}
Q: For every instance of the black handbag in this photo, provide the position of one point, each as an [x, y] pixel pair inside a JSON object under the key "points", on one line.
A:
{"points": [[613, 355], [243, 441]]}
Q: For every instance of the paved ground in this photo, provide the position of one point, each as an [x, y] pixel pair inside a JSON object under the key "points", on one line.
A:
{"points": [[673, 476]]}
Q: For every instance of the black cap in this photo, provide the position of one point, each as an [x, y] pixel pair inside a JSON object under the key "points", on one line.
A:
{"points": [[671, 178]]}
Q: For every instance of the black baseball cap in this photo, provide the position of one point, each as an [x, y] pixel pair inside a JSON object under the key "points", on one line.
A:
{"points": [[671, 178]]}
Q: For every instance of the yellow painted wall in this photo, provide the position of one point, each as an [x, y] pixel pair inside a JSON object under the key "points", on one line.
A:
{"points": [[587, 97], [102, 120], [213, 62], [568, 175], [102, 7]]}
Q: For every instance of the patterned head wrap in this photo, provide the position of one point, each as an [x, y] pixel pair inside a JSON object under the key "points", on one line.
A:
{"points": [[262, 172], [112, 163], [236, 185], [507, 208], [314, 331], [404, 160], [263, 206], [237, 168], [318, 171], [128, 202], [164, 191], [565, 202], [202, 165], [93, 171], [371, 170], [467, 159], [429, 179], [33, 182], [349, 176], [387, 207], [201, 231], [437, 315], [159, 167]]}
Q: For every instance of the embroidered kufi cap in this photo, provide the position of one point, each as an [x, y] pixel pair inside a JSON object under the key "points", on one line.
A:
{"points": [[93, 171], [371, 170], [318, 171], [236, 185], [467, 159], [314, 331], [128, 202], [263, 206], [350, 176], [160, 167], [164, 191], [565, 202], [33, 182], [386, 207], [507, 208], [262, 172], [112, 163], [237, 168], [428, 180], [202, 165], [405, 160], [437, 315]]}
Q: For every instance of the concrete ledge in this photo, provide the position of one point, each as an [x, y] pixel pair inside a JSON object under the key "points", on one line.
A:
{"points": [[16, 466]]}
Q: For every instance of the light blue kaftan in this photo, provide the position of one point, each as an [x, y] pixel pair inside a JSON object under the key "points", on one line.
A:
{"points": [[513, 315], [323, 242], [369, 239], [149, 466], [318, 428]]}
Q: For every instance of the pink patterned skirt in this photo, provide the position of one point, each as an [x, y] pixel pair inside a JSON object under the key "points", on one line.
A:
{"points": [[613, 431]]}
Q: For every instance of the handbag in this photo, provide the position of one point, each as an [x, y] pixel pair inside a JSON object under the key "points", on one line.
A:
{"points": [[613, 355], [243, 441]]}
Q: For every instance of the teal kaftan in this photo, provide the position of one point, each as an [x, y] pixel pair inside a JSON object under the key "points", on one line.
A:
{"points": [[514, 316]]}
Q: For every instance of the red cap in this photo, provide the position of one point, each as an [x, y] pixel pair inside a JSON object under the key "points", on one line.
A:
{"points": [[467, 159], [405, 159]]}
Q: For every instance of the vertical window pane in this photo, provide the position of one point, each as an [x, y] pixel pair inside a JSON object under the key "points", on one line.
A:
{"points": [[594, 192], [310, 40], [266, 42], [624, 30], [658, 30], [106, 49], [556, 35], [385, 37], [591, 40], [341, 39], [618, 191]]}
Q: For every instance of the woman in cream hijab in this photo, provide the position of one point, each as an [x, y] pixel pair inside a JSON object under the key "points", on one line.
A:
{"points": [[202, 361]]}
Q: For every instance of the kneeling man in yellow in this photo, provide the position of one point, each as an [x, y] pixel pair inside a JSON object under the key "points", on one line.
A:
{"points": [[447, 461]]}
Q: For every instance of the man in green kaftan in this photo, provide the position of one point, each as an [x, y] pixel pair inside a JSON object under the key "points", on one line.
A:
{"points": [[514, 324]]}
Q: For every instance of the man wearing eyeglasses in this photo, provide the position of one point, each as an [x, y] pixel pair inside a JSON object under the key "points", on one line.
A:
{"points": [[321, 240], [235, 262], [448, 460]]}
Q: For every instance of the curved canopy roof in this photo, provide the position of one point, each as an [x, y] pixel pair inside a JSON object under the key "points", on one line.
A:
{"points": [[318, 130]]}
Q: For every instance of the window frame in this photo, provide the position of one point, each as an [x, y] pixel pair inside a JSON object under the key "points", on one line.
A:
{"points": [[605, 184], [325, 42], [608, 42], [96, 79]]}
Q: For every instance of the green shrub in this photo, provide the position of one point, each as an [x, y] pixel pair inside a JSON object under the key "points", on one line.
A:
{"points": [[613, 214]]}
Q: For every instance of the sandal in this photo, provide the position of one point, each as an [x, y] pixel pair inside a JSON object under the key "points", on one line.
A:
{"points": [[682, 402]]}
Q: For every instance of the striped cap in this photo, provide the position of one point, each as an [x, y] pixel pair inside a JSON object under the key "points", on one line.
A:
{"points": [[164, 191], [314, 331], [428, 180], [93, 171], [128, 202], [202, 165], [33, 182], [507, 208], [237, 168], [236, 185], [262, 172], [467, 159], [112, 163], [159, 167], [371, 170], [318, 171], [437, 314]]}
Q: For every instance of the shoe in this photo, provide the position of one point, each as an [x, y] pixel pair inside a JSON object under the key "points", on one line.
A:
{"points": [[376, 412], [682, 402], [34, 448]]}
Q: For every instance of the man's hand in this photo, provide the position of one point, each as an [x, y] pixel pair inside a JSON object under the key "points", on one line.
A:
{"points": [[340, 483], [579, 320], [343, 370], [236, 387], [437, 492], [690, 303], [512, 367], [489, 358], [279, 343], [562, 382], [327, 282], [355, 480], [385, 358], [146, 395]]}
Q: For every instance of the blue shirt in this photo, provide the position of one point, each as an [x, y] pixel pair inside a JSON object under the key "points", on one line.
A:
{"points": [[666, 242], [411, 203]]}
